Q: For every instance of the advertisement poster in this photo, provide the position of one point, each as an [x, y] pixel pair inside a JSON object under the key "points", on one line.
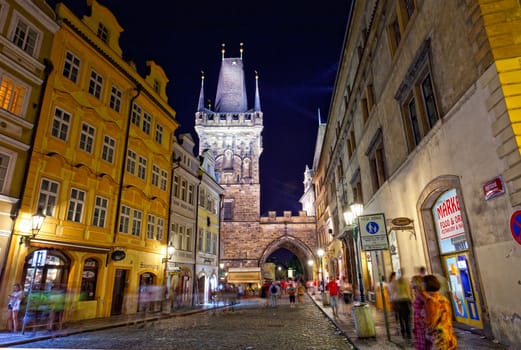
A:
{"points": [[449, 223]]}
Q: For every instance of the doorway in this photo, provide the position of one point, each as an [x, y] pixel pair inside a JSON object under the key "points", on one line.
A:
{"points": [[118, 292]]}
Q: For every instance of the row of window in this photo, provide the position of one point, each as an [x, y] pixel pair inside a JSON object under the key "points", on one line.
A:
{"points": [[184, 190], [139, 117], [130, 218]]}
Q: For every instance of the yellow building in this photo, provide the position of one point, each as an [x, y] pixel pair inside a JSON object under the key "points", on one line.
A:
{"points": [[26, 31], [100, 171]]}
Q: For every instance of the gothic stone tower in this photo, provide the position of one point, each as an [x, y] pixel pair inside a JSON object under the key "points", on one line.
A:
{"points": [[232, 132]]}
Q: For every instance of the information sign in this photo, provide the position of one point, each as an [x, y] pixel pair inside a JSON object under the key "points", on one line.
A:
{"points": [[373, 233]]}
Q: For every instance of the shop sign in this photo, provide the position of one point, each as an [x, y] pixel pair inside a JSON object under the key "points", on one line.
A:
{"points": [[447, 216], [402, 221], [118, 255], [493, 188]]}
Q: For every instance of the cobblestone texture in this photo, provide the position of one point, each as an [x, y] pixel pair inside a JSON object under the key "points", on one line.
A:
{"points": [[249, 326]]}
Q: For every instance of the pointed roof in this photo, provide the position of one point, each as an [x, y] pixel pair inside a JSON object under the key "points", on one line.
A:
{"points": [[200, 104], [231, 87], [257, 106]]}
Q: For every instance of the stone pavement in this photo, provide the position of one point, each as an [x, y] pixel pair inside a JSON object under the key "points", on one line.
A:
{"points": [[345, 322]]}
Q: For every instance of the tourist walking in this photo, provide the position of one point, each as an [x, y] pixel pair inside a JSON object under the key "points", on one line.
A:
{"points": [[13, 307], [418, 309], [292, 292], [274, 293], [402, 294], [332, 288], [438, 315]]}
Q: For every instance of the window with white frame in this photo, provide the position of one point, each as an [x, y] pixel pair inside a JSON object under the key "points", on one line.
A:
{"points": [[99, 214], [202, 197], [124, 219], [181, 236], [208, 247], [214, 243], [12, 95], [48, 196], [87, 137], [76, 204], [7, 165], [184, 185], [109, 147], [155, 175], [115, 98], [174, 235], [159, 133], [131, 161], [147, 122], [191, 194], [95, 84], [135, 117], [159, 229], [176, 186], [25, 36], [188, 240], [200, 241], [142, 168], [151, 223], [71, 67], [136, 222], [60, 124], [164, 179]]}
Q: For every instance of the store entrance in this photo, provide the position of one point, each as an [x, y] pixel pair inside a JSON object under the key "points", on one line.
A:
{"points": [[462, 294]]}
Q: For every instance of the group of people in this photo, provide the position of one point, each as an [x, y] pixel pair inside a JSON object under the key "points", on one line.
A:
{"points": [[431, 310], [294, 289]]}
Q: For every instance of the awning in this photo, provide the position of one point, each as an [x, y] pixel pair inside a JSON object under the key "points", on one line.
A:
{"points": [[244, 275], [43, 243]]}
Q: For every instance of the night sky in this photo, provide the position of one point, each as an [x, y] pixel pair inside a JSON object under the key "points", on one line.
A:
{"points": [[294, 45]]}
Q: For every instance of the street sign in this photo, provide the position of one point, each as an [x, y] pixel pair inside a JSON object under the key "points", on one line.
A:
{"points": [[515, 226], [373, 233]]}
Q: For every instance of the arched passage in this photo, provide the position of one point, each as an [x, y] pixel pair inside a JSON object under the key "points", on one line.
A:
{"points": [[302, 252]]}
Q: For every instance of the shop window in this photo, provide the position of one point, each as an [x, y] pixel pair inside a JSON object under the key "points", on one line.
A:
{"points": [[89, 279], [45, 271]]}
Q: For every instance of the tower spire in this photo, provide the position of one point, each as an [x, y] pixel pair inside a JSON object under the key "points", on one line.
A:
{"points": [[257, 106], [222, 51], [200, 104], [319, 118], [241, 49]]}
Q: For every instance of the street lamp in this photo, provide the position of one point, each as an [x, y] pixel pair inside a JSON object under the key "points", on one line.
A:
{"points": [[320, 253], [36, 226], [351, 218]]}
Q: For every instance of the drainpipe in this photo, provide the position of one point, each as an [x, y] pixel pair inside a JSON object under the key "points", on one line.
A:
{"points": [[124, 163], [195, 279], [176, 162], [16, 208]]}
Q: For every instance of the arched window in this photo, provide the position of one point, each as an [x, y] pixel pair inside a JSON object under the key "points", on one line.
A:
{"points": [[46, 270], [89, 279]]}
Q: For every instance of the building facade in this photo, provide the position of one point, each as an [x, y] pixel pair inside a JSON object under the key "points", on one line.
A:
{"points": [[422, 128], [100, 172], [27, 29]]}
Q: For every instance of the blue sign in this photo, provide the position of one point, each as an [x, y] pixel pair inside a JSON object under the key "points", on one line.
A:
{"points": [[372, 227]]}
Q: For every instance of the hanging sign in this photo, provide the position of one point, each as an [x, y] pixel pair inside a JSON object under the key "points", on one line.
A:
{"points": [[373, 233]]}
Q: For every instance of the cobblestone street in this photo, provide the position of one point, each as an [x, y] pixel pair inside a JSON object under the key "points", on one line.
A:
{"points": [[249, 326]]}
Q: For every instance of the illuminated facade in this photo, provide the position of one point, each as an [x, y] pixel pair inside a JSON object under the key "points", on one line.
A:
{"points": [[423, 127], [101, 171]]}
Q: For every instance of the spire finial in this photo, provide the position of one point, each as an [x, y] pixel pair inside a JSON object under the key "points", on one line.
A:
{"points": [[241, 49], [222, 51], [209, 104], [257, 106], [202, 74], [200, 104], [256, 75]]}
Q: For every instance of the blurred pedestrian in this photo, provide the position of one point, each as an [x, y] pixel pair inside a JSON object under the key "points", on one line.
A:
{"points": [[13, 307], [418, 308], [274, 293], [438, 315], [402, 294], [301, 289], [292, 291], [332, 288]]}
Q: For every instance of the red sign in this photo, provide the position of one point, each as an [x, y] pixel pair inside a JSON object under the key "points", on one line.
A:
{"points": [[493, 188], [515, 226]]}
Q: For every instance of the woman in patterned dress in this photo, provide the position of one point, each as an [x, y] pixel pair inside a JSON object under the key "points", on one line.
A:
{"points": [[418, 308], [438, 316]]}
